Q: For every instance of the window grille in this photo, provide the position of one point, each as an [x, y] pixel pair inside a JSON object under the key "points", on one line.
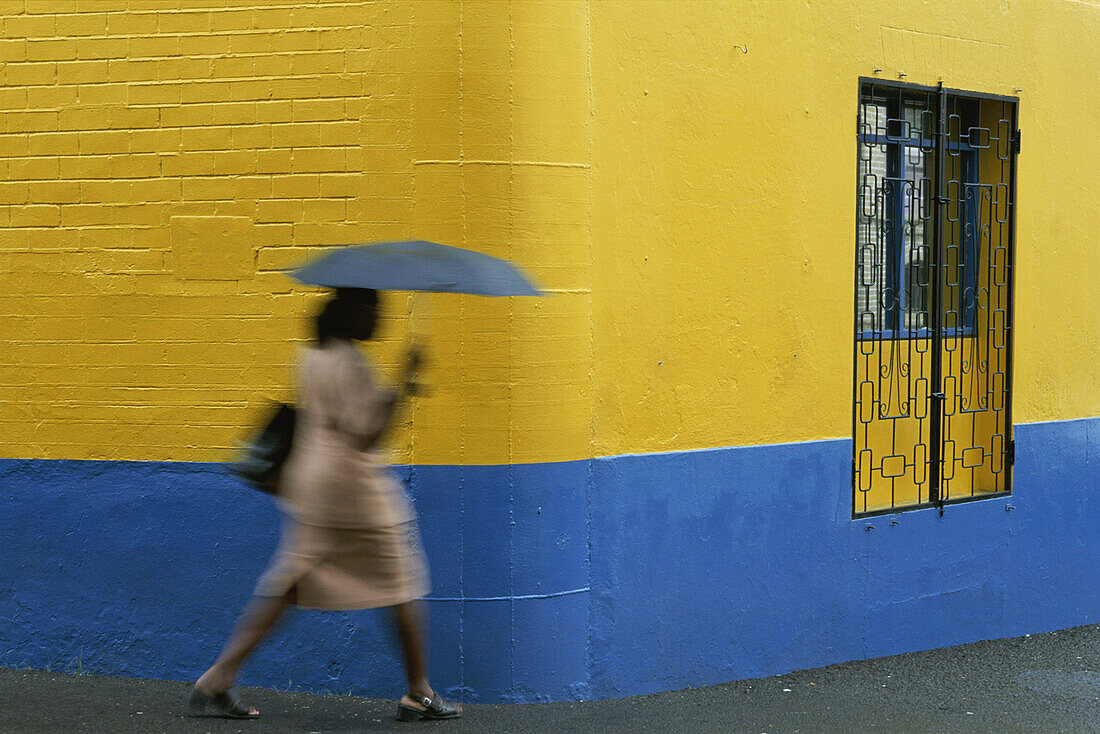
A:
{"points": [[934, 269]]}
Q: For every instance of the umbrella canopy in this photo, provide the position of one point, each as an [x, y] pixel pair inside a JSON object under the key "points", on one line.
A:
{"points": [[416, 266]]}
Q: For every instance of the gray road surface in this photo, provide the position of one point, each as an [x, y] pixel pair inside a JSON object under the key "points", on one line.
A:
{"points": [[1033, 685]]}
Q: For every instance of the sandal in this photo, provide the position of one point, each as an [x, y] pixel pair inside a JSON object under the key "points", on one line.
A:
{"points": [[225, 704], [434, 708]]}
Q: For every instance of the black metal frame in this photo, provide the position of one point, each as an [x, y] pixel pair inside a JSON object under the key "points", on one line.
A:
{"points": [[939, 278], [907, 87]]}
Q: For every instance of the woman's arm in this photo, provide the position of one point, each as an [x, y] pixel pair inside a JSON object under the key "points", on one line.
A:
{"points": [[366, 410]]}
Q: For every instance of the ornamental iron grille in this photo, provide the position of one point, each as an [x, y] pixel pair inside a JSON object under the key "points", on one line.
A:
{"points": [[933, 296]]}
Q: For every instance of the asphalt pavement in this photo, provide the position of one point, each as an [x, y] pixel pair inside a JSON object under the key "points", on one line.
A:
{"points": [[1034, 685]]}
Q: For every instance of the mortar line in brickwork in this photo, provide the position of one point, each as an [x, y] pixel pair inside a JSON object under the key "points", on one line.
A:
{"points": [[590, 479], [511, 598], [511, 215], [945, 36], [462, 319], [465, 162]]}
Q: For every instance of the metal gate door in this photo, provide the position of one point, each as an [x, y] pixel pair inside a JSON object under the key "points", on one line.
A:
{"points": [[933, 296]]}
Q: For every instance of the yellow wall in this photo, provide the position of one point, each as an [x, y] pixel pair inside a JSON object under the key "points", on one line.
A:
{"points": [[679, 174], [724, 205], [159, 166]]}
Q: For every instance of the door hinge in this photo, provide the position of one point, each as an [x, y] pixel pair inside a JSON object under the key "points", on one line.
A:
{"points": [[1016, 144], [1010, 454]]}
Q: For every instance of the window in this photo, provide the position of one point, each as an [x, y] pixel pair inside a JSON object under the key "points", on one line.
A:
{"points": [[933, 286]]}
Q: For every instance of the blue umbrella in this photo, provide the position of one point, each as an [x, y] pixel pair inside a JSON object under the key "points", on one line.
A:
{"points": [[416, 266]]}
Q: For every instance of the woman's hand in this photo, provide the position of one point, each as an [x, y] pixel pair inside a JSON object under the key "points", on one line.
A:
{"points": [[413, 360]]}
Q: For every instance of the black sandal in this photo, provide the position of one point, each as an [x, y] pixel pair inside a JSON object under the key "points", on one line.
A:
{"points": [[225, 704], [434, 709]]}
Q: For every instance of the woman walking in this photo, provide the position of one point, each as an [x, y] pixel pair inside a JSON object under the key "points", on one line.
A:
{"points": [[350, 538]]}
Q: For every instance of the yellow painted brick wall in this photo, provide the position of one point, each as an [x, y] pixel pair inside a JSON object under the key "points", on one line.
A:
{"points": [[678, 174], [160, 162]]}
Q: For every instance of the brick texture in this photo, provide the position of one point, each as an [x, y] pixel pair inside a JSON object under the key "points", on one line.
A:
{"points": [[161, 161], [126, 131]]}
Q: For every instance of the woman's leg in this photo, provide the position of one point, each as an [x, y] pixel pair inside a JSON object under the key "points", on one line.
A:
{"points": [[252, 626], [412, 630], [421, 702]]}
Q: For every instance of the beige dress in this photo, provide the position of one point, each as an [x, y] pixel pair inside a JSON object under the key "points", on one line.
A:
{"points": [[349, 538]]}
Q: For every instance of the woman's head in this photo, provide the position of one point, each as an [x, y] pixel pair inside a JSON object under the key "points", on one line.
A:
{"points": [[351, 314]]}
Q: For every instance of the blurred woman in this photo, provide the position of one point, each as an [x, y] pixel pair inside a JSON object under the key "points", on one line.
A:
{"points": [[350, 539]]}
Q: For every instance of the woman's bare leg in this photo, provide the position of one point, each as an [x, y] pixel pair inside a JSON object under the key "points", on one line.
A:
{"points": [[252, 626], [412, 630]]}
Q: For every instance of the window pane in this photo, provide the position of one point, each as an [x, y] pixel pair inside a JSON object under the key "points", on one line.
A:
{"points": [[917, 230], [872, 229]]}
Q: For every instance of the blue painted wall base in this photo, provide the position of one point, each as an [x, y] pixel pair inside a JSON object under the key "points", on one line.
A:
{"points": [[573, 580]]}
